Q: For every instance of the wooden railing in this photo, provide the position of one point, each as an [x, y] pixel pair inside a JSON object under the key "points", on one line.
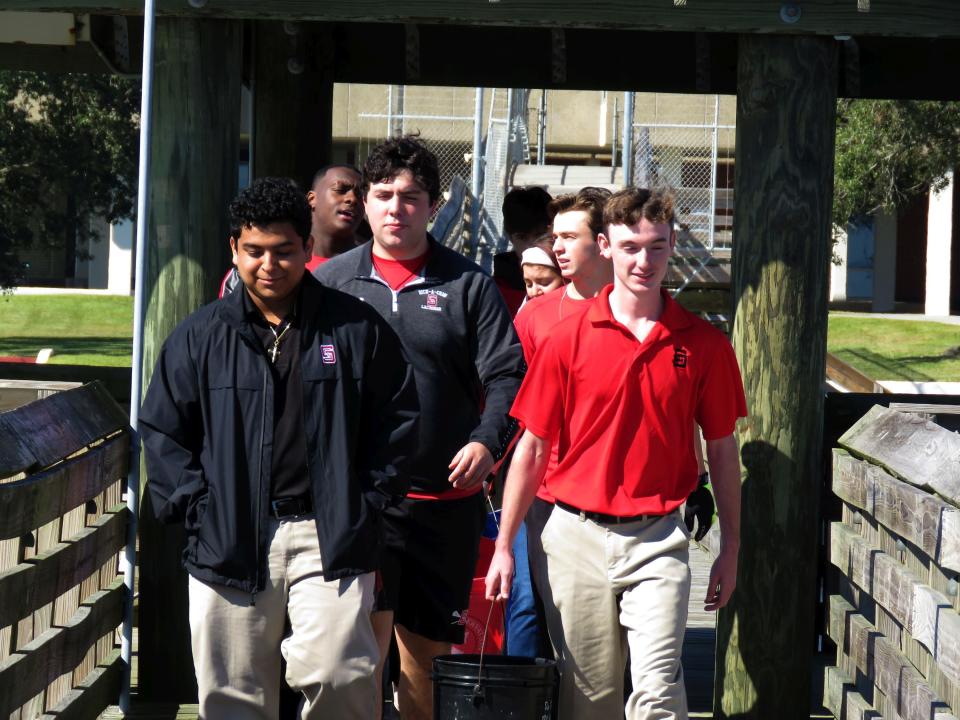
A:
{"points": [[894, 618], [849, 378], [63, 463]]}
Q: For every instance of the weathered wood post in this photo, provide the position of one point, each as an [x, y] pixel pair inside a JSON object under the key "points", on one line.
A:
{"points": [[292, 99], [196, 132], [786, 117]]}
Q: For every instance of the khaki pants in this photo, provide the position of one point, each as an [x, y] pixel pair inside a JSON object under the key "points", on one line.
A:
{"points": [[611, 587], [330, 650]]}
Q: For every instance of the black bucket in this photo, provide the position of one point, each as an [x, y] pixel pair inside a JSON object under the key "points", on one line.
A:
{"points": [[519, 688]]}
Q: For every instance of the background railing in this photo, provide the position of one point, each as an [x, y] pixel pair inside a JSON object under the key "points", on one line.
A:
{"points": [[62, 526], [894, 616]]}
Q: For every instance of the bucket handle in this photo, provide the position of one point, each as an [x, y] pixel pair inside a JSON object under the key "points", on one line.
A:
{"points": [[477, 689]]}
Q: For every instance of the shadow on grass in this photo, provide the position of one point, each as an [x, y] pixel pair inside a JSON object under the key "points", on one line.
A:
{"points": [[29, 346], [892, 369]]}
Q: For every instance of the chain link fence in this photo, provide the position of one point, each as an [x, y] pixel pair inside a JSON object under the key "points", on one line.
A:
{"points": [[684, 141], [448, 120], [680, 141], [443, 117]]}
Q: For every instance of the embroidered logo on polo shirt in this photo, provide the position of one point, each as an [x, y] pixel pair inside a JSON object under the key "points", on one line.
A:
{"points": [[432, 299], [328, 354], [679, 357]]}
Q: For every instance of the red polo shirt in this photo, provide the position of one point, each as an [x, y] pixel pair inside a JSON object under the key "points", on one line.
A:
{"points": [[539, 316], [534, 324], [621, 411]]}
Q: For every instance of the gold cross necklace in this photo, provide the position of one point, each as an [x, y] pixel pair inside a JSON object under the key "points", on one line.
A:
{"points": [[275, 350]]}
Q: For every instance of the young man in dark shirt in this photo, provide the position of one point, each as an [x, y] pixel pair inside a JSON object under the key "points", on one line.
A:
{"points": [[468, 364], [275, 429]]}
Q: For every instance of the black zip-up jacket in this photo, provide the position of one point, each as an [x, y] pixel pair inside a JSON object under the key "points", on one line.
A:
{"points": [[459, 337], [207, 428]]}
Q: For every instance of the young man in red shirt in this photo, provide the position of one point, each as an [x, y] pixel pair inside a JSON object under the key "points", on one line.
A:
{"points": [[618, 389], [575, 220]]}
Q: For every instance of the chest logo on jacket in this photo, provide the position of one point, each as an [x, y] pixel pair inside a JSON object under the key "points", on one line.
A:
{"points": [[432, 299], [328, 354], [679, 357]]}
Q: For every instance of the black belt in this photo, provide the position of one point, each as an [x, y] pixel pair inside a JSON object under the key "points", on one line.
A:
{"points": [[601, 517], [293, 507]]}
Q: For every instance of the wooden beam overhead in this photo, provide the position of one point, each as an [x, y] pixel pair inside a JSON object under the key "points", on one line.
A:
{"points": [[918, 18]]}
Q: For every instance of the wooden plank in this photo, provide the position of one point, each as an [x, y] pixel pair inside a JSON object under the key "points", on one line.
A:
{"points": [[56, 651], [65, 607], [97, 692], [909, 512], [921, 408], [906, 691], [925, 613], [15, 393], [46, 431], [43, 578], [194, 178], [27, 504], [115, 379], [918, 451], [786, 111], [925, 18], [840, 697], [849, 378], [294, 144]]}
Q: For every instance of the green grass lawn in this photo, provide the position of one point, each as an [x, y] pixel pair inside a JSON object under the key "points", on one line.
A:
{"points": [[81, 329], [97, 330], [896, 349]]}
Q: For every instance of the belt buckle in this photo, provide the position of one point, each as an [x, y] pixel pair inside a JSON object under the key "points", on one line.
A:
{"points": [[285, 508]]}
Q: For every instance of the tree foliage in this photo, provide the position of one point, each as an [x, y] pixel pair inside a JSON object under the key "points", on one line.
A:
{"points": [[68, 153], [890, 151]]}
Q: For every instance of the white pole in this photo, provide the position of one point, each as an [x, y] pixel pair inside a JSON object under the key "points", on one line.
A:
{"points": [[713, 172], [136, 372], [627, 139], [476, 180], [542, 128]]}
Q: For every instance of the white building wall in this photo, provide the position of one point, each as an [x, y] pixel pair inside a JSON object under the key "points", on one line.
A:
{"points": [[939, 241], [121, 258], [838, 266]]}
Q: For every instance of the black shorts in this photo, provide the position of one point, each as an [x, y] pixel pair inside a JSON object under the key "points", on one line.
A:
{"points": [[429, 558]]}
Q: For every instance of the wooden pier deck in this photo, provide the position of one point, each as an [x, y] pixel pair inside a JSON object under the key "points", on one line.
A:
{"points": [[699, 643], [699, 649]]}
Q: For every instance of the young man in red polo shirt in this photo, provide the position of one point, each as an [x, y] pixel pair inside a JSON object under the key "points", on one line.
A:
{"points": [[618, 389], [575, 219]]}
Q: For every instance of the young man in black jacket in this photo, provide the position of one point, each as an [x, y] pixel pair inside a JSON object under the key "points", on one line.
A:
{"points": [[468, 364], [275, 429]]}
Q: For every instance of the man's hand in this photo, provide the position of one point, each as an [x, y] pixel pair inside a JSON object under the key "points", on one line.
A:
{"points": [[470, 466], [723, 580], [500, 574], [700, 507]]}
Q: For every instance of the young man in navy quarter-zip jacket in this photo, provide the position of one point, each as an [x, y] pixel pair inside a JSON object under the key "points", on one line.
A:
{"points": [[276, 428], [458, 335]]}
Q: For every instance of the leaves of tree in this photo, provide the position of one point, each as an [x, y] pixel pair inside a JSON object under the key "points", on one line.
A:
{"points": [[68, 154], [889, 151]]}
